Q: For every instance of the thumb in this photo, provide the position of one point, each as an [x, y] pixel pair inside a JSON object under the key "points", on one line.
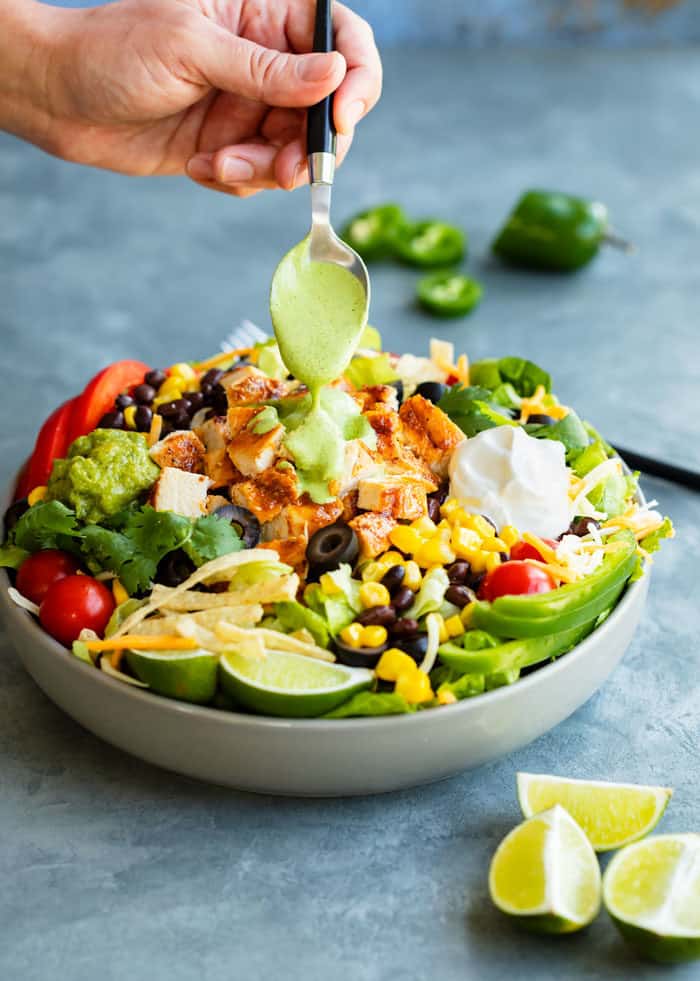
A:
{"points": [[276, 78]]}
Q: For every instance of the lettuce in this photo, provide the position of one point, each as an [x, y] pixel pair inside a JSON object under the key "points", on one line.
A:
{"points": [[371, 339], [430, 595], [570, 431], [270, 360], [652, 543], [589, 458], [257, 573], [468, 409], [463, 686], [525, 376], [12, 557], [369, 703], [363, 372], [610, 495], [290, 616], [335, 611]]}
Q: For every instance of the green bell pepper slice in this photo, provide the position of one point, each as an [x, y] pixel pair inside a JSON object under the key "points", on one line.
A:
{"points": [[448, 294], [563, 608], [553, 231], [429, 243]]}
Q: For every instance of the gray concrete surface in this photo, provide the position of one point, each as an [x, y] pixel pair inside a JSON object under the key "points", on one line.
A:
{"points": [[112, 868]]}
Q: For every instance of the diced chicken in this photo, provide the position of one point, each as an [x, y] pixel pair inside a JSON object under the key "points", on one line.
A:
{"points": [[253, 387], [429, 432], [214, 433], [182, 449], [267, 494], [377, 397], [373, 532], [238, 417], [400, 497], [358, 463], [391, 452], [252, 453], [302, 519], [216, 501], [350, 509], [290, 550], [180, 491]]}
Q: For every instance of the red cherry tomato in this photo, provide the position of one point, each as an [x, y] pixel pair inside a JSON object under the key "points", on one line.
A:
{"points": [[42, 570], [514, 579], [74, 603], [100, 393], [523, 550], [51, 443]]}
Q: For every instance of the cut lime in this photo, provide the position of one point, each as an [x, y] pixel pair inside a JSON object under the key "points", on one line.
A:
{"points": [[652, 892], [611, 814], [189, 676], [290, 684], [545, 874]]}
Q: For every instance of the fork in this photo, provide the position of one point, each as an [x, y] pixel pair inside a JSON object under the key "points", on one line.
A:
{"points": [[247, 334]]}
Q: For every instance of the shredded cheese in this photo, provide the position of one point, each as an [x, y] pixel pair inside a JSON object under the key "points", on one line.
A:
{"points": [[218, 359], [142, 642]]}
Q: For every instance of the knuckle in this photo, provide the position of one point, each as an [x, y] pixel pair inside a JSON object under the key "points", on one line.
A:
{"points": [[265, 67]]}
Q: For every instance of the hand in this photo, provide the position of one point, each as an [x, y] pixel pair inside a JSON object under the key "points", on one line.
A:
{"points": [[216, 90]]}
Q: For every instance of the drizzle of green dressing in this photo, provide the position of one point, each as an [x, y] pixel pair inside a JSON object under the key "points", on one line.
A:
{"points": [[319, 312]]}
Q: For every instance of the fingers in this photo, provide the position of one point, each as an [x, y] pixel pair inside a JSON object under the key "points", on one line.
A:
{"points": [[274, 78], [290, 165], [360, 89]]}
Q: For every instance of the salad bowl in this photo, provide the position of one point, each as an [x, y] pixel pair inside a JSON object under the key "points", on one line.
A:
{"points": [[316, 757]]}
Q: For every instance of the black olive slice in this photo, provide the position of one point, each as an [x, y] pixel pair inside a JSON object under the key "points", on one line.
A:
{"points": [[243, 520], [330, 547]]}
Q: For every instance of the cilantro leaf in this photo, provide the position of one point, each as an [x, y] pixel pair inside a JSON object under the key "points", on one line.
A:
{"points": [[469, 409], [12, 557], [570, 431], [47, 524], [210, 538]]}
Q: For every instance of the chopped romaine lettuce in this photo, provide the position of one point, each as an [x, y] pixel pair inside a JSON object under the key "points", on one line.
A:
{"points": [[334, 610], [368, 703], [363, 372], [430, 595], [371, 339], [570, 431]]}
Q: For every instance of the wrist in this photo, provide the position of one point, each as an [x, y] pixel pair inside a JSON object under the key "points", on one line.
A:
{"points": [[31, 35]]}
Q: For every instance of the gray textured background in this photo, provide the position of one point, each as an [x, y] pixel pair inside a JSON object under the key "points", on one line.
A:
{"points": [[113, 869]]}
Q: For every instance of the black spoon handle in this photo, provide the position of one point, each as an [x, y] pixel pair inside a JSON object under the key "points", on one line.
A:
{"points": [[658, 468], [320, 137]]}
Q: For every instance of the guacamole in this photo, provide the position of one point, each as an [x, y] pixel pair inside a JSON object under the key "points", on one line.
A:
{"points": [[102, 473]]}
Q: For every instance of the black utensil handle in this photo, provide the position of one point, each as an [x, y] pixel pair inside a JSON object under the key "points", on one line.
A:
{"points": [[320, 137], [659, 468]]}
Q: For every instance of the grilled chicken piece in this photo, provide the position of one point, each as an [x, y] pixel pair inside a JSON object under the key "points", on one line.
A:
{"points": [[373, 532], [429, 432], [377, 397], [216, 436], [181, 491], [249, 386], [182, 449], [302, 519], [290, 550], [252, 453], [216, 501], [267, 494], [394, 456], [359, 463], [399, 497]]}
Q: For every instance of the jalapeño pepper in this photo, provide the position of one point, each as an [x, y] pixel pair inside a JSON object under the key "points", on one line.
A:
{"points": [[448, 294], [371, 233], [429, 243], [554, 231], [564, 608]]}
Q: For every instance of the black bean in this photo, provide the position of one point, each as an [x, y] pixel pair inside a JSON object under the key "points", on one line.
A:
{"points": [[169, 410], [583, 526], [459, 595], [142, 418], [155, 378], [195, 400], [377, 616], [212, 377], [433, 509], [111, 420], [180, 421], [144, 394], [123, 401], [406, 627], [393, 578], [539, 419], [459, 571], [475, 580], [415, 646], [402, 599], [206, 389], [219, 400]]}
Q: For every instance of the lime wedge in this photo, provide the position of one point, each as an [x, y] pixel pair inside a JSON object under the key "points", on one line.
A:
{"points": [[189, 676], [290, 684], [545, 874], [611, 814], [652, 892]]}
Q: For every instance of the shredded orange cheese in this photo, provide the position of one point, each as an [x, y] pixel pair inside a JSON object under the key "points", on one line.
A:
{"points": [[546, 551], [558, 572], [535, 405], [142, 642], [217, 359]]}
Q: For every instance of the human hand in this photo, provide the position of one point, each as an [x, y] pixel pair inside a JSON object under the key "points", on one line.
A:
{"points": [[216, 90]]}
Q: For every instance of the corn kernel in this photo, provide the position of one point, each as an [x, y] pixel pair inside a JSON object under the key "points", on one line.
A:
{"points": [[373, 636], [38, 494], [464, 541], [407, 539], [372, 572], [446, 697], [477, 561], [183, 370], [484, 527], [467, 613], [493, 560], [390, 559], [352, 635], [494, 545], [118, 592], [393, 663], [424, 525], [374, 594], [129, 416], [434, 552], [415, 687], [454, 626], [510, 535], [462, 518], [169, 390], [449, 507], [328, 585], [412, 577]]}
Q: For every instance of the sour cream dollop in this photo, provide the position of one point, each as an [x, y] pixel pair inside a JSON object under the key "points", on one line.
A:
{"points": [[514, 479]]}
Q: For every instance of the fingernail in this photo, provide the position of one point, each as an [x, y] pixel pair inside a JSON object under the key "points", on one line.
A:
{"points": [[299, 173], [235, 170], [199, 168], [314, 67], [354, 113]]}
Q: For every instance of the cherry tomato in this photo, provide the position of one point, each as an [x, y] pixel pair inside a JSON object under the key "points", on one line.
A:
{"points": [[42, 570], [514, 579], [523, 550], [100, 393], [75, 603]]}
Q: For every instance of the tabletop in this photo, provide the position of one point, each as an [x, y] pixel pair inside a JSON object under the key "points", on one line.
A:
{"points": [[113, 868]]}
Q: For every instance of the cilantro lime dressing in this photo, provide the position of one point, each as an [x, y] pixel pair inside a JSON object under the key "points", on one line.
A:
{"points": [[319, 312]]}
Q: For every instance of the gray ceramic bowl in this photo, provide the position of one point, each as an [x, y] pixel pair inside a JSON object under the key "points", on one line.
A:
{"points": [[322, 757]]}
